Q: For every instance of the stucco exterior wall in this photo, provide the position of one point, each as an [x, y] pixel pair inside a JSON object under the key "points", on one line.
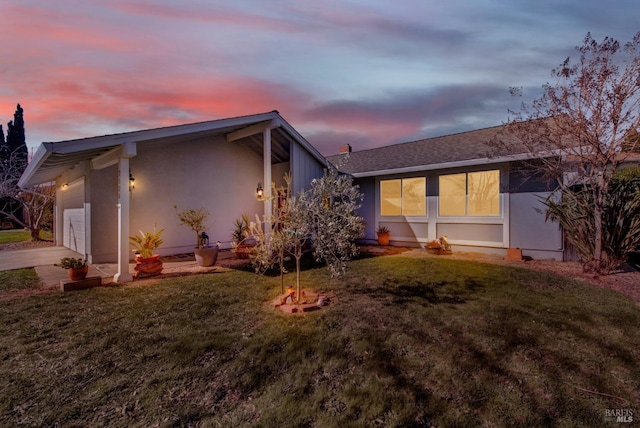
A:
{"points": [[368, 211], [212, 173], [103, 202]]}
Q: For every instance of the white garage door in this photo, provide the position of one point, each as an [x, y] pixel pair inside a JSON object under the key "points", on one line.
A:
{"points": [[74, 230]]}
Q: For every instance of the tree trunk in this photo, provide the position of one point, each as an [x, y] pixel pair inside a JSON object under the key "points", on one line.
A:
{"points": [[298, 256], [598, 212], [35, 233]]}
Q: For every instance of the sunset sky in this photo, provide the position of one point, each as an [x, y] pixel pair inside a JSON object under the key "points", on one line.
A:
{"points": [[363, 72]]}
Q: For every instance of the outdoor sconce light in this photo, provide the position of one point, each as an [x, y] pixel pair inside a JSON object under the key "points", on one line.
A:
{"points": [[132, 182], [65, 186], [259, 191]]}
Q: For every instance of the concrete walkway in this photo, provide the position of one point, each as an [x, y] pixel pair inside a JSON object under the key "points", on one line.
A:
{"points": [[32, 257], [43, 259]]}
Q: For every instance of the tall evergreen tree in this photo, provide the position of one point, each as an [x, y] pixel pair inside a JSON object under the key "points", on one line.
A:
{"points": [[4, 148], [14, 157], [16, 139]]}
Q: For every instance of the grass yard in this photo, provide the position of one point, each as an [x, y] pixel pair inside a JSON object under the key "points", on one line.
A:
{"points": [[8, 236], [19, 279], [404, 342], [20, 235]]}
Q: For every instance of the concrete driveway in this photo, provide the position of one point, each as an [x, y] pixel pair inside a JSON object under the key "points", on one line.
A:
{"points": [[43, 259]]}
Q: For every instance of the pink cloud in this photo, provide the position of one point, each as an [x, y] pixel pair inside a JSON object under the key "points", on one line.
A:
{"points": [[210, 15], [70, 28]]}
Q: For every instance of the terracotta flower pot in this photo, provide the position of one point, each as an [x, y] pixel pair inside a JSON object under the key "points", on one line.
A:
{"points": [[243, 251], [383, 239], [147, 266], [76, 274]]}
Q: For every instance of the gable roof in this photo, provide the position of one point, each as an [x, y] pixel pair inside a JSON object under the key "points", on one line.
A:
{"points": [[448, 151], [53, 159]]}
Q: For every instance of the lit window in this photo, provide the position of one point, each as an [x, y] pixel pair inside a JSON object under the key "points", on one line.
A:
{"points": [[470, 194], [453, 193], [484, 193], [406, 197]]}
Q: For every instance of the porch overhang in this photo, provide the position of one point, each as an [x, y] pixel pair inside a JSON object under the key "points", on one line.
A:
{"points": [[52, 160]]}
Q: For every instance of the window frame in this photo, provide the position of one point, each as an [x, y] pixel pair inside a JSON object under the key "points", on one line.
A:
{"points": [[402, 199], [500, 208]]}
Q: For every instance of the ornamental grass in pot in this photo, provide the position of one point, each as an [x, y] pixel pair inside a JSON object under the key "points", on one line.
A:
{"points": [[144, 246], [383, 235]]}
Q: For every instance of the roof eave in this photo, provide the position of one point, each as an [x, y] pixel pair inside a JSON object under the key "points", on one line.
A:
{"points": [[32, 177], [39, 157]]}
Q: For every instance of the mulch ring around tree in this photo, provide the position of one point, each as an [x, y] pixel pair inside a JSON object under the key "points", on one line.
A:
{"points": [[309, 301]]}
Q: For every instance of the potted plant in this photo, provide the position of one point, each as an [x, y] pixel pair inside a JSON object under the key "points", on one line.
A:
{"points": [[243, 242], [383, 235], [433, 246], [76, 268], [145, 244], [206, 255], [439, 246]]}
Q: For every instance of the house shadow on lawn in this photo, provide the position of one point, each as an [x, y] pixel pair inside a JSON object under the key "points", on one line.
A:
{"points": [[397, 293], [308, 262]]}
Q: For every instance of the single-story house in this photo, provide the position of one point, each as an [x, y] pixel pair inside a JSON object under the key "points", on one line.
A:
{"points": [[450, 186], [110, 187]]}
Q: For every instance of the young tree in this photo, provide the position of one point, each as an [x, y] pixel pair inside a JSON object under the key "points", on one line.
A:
{"points": [[324, 215], [582, 128], [330, 205], [34, 204]]}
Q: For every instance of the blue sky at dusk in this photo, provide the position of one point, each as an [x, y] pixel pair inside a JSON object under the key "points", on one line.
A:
{"points": [[368, 73]]}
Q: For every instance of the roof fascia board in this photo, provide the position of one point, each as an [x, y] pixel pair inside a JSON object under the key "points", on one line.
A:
{"points": [[71, 146], [39, 157]]}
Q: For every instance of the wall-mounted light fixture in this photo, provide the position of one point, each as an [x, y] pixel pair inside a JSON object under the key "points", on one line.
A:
{"points": [[259, 191], [65, 186], [132, 182]]}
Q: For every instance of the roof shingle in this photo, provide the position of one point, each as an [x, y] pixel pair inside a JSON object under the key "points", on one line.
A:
{"points": [[465, 146]]}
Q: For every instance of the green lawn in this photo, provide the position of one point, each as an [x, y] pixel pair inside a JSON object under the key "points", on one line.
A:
{"points": [[19, 279], [404, 342], [7, 236]]}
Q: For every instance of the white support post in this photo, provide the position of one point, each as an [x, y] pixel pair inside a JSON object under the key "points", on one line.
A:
{"points": [[58, 219], [268, 204], [123, 274]]}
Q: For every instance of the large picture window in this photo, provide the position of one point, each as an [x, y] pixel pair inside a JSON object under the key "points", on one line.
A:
{"points": [[470, 194], [403, 197]]}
